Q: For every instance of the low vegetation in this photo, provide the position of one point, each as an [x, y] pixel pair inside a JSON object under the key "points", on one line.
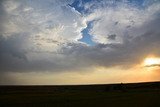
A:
{"points": [[111, 95]]}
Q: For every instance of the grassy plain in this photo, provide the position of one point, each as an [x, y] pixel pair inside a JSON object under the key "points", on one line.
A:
{"points": [[107, 95]]}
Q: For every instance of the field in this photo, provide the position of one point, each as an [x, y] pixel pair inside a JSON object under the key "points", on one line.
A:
{"points": [[109, 95]]}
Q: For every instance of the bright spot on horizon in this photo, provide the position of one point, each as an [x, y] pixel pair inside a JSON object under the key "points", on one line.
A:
{"points": [[150, 62]]}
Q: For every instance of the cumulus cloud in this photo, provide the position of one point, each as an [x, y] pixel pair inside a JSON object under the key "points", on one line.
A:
{"points": [[43, 35], [121, 19], [33, 31]]}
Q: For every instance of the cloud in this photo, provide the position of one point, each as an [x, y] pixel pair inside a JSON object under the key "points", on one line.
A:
{"points": [[111, 37], [153, 65], [39, 36], [32, 32], [109, 19]]}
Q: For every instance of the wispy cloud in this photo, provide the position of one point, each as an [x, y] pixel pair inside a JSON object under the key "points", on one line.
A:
{"points": [[153, 65]]}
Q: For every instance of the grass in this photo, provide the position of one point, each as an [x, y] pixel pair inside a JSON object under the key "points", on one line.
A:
{"points": [[116, 95]]}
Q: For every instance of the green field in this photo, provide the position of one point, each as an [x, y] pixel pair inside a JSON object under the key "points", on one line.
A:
{"points": [[112, 95]]}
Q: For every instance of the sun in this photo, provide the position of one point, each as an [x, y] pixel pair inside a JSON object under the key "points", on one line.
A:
{"points": [[152, 62]]}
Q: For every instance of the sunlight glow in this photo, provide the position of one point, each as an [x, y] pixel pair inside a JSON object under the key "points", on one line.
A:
{"points": [[152, 62]]}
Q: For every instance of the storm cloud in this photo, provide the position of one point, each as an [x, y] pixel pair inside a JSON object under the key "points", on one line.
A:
{"points": [[43, 36]]}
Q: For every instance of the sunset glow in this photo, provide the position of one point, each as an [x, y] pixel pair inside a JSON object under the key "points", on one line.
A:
{"points": [[152, 62]]}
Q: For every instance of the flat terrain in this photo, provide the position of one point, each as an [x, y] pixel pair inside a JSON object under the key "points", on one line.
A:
{"points": [[111, 95]]}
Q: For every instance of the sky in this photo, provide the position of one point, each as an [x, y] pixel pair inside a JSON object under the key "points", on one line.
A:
{"points": [[56, 42]]}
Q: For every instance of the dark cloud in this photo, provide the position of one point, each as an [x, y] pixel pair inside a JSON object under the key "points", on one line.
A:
{"points": [[72, 56], [112, 37], [129, 53]]}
